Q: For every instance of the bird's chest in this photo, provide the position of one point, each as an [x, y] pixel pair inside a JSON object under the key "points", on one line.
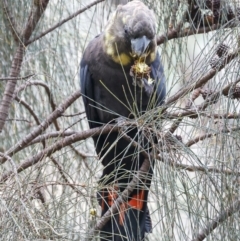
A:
{"points": [[116, 94]]}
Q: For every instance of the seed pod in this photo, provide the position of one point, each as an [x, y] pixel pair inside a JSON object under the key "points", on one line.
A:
{"points": [[236, 92], [214, 63], [140, 70], [222, 50]]}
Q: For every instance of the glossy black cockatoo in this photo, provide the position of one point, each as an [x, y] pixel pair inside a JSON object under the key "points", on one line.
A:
{"points": [[121, 76]]}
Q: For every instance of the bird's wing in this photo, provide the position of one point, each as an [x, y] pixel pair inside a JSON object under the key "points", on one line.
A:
{"points": [[87, 90], [157, 73]]}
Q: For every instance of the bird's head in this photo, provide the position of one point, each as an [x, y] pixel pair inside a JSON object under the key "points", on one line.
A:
{"points": [[130, 34]]}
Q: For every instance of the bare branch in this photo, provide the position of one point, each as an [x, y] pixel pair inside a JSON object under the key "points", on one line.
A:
{"points": [[79, 113], [14, 119], [33, 19], [194, 113], [11, 20], [223, 216], [64, 176], [205, 169], [44, 125], [49, 94], [58, 146], [180, 33], [17, 78], [56, 134], [10, 87], [58, 183], [209, 135], [29, 108]]}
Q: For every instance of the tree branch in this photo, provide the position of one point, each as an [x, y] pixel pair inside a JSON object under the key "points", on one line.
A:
{"points": [[209, 135], [29, 108], [17, 78], [211, 99], [206, 169], [43, 126], [223, 216], [180, 33], [56, 134], [12, 22], [49, 94], [63, 21], [33, 19], [57, 146]]}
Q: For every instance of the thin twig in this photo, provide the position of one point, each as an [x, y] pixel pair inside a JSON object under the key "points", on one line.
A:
{"points": [[194, 113], [48, 91], [36, 83], [57, 134], [20, 120], [209, 135], [223, 116], [64, 177], [17, 78], [43, 126], [29, 108], [54, 183], [72, 115], [223, 216], [11, 20], [63, 21], [179, 33], [193, 168]]}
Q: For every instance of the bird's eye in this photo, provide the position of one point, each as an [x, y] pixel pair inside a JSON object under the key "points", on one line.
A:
{"points": [[126, 30]]}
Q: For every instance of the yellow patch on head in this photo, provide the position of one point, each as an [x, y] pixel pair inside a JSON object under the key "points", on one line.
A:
{"points": [[152, 56], [108, 43], [108, 37], [124, 20], [110, 50], [122, 58]]}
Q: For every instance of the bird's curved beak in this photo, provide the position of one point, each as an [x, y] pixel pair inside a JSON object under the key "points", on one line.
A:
{"points": [[139, 46]]}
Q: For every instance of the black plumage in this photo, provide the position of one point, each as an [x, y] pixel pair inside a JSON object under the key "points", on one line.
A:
{"points": [[110, 92]]}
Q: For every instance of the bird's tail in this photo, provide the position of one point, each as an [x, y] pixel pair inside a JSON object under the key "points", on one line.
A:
{"points": [[132, 220]]}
